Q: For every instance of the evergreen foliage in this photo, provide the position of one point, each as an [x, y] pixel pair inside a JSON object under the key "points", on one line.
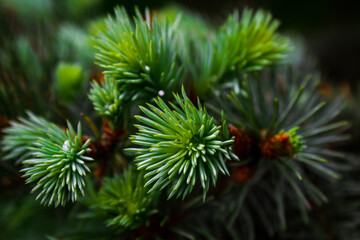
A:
{"points": [[252, 148], [139, 54], [22, 135], [74, 44], [54, 159], [21, 79], [69, 78], [58, 165], [241, 45], [296, 141], [190, 28], [289, 159], [183, 147], [254, 40], [124, 201], [108, 100]]}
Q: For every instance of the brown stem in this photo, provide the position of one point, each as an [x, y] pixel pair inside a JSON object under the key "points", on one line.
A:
{"points": [[104, 149]]}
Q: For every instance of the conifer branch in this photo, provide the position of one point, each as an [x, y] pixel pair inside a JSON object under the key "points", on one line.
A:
{"points": [[108, 101], [139, 54], [124, 200], [184, 146], [54, 159], [23, 134], [58, 166], [242, 44]]}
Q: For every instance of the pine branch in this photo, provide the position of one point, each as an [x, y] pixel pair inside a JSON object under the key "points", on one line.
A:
{"points": [[108, 101], [54, 159], [183, 147], [294, 155], [58, 166], [140, 55], [22, 135], [242, 44], [124, 201]]}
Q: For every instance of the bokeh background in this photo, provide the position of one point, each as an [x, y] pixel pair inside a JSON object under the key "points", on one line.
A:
{"points": [[330, 28]]}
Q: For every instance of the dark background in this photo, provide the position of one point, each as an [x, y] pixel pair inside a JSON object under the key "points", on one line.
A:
{"points": [[330, 28]]}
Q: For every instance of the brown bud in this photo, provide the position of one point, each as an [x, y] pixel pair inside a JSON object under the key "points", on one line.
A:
{"points": [[244, 144], [243, 174], [325, 90], [277, 146], [98, 77], [104, 149]]}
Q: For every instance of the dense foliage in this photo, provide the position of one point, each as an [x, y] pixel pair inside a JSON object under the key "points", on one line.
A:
{"points": [[186, 130]]}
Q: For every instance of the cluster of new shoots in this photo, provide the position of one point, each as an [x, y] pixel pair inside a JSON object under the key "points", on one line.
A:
{"points": [[108, 100], [54, 158], [182, 144], [139, 54], [124, 200]]}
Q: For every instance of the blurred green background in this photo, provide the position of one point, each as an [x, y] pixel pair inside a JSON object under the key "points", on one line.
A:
{"points": [[331, 28]]}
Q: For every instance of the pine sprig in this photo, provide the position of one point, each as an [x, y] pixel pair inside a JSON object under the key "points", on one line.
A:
{"points": [[182, 147], [290, 111], [139, 54], [23, 134], [124, 200], [189, 28], [241, 45], [254, 40], [58, 165], [282, 145], [293, 128], [108, 100]]}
